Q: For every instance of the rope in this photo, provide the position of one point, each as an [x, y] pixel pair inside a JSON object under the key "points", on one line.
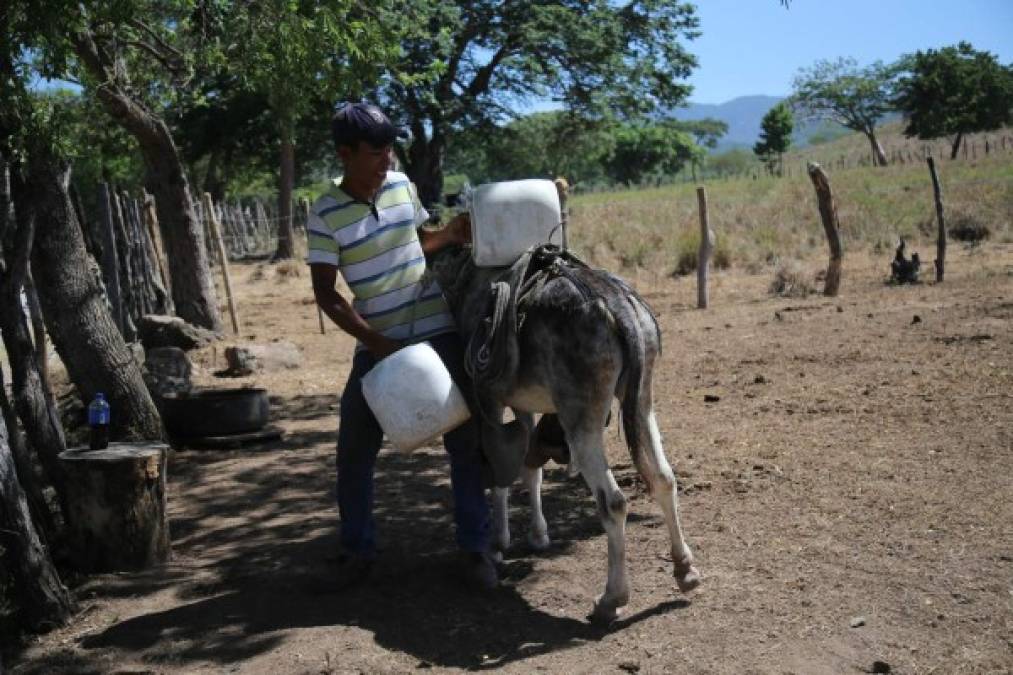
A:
{"points": [[479, 358]]}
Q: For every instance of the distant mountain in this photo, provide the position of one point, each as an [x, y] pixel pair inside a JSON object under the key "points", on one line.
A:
{"points": [[743, 116]]}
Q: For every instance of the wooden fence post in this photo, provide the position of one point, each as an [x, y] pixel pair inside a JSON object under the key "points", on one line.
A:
{"points": [[110, 256], [125, 246], [216, 234], [38, 333], [828, 214], [941, 232], [151, 222], [706, 248]]}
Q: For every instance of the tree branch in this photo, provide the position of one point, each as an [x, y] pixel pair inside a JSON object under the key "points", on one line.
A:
{"points": [[137, 23], [173, 66], [480, 83]]}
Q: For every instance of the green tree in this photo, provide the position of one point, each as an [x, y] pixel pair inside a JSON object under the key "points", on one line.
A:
{"points": [[480, 58], [955, 91], [541, 144], [731, 162], [137, 58], [643, 149], [854, 97], [293, 53], [775, 136], [706, 131]]}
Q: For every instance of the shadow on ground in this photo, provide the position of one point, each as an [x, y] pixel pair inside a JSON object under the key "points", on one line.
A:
{"points": [[252, 533]]}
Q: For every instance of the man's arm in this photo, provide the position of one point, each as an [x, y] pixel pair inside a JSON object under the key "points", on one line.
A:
{"points": [[344, 315], [457, 231]]}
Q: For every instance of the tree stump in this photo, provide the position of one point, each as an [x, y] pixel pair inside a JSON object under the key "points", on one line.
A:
{"points": [[116, 506]]}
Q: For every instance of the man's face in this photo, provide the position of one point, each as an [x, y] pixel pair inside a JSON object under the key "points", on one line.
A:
{"points": [[365, 165]]}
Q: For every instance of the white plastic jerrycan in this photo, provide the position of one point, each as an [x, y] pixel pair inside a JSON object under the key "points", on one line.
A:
{"points": [[510, 217], [413, 396]]}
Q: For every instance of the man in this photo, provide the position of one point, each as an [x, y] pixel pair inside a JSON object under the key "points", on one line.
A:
{"points": [[366, 228]]}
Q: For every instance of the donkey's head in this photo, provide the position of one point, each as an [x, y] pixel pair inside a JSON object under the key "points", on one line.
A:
{"points": [[452, 269]]}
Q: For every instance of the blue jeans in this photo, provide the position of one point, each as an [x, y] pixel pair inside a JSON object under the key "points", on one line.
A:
{"points": [[359, 439]]}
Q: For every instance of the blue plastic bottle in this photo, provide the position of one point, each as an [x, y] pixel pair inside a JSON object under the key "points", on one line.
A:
{"points": [[98, 421]]}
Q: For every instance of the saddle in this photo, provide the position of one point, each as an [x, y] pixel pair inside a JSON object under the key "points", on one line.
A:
{"points": [[492, 356]]}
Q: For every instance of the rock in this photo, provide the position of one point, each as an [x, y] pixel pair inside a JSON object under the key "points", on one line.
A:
{"points": [[916, 319], [759, 379], [245, 359], [156, 330], [630, 666], [241, 362], [167, 371], [881, 667], [711, 398], [857, 621]]}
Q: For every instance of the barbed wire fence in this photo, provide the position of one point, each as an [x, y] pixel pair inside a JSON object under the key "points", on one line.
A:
{"points": [[898, 153], [124, 236]]}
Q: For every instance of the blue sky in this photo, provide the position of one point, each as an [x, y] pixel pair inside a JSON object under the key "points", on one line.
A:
{"points": [[757, 46]]}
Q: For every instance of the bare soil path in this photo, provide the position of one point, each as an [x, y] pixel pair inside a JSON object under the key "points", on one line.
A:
{"points": [[848, 498]]}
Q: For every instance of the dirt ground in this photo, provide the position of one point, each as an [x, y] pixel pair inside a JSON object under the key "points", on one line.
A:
{"points": [[848, 499]]}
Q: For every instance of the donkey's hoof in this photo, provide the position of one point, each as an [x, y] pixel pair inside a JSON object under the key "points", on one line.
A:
{"points": [[496, 555], [603, 613], [538, 542], [687, 579]]}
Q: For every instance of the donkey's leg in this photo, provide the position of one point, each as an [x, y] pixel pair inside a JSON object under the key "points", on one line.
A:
{"points": [[523, 425], [587, 444], [538, 534], [500, 522], [657, 473]]}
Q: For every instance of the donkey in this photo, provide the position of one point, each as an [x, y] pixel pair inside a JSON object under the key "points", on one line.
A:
{"points": [[580, 336]]}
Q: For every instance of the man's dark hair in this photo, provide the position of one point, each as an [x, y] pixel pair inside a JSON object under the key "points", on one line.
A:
{"points": [[355, 122]]}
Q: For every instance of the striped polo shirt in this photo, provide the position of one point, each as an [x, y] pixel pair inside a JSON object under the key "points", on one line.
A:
{"points": [[378, 252]]}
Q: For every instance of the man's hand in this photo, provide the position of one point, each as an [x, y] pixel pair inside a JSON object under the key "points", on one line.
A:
{"points": [[381, 347], [459, 229], [456, 232]]}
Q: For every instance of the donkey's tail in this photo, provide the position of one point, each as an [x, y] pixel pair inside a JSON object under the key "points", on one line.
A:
{"points": [[626, 307], [631, 333]]}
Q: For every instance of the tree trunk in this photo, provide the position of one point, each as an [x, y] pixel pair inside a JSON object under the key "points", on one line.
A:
{"points": [[425, 165], [877, 149], [78, 320], [286, 177], [192, 290], [214, 182], [38, 416], [43, 601], [32, 482], [193, 293], [955, 148]]}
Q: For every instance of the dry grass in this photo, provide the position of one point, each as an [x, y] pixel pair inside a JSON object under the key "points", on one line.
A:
{"points": [[792, 281], [289, 268], [760, 222]]}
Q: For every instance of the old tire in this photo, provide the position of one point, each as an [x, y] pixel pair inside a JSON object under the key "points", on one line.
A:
{"points": [[215, 412]]}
